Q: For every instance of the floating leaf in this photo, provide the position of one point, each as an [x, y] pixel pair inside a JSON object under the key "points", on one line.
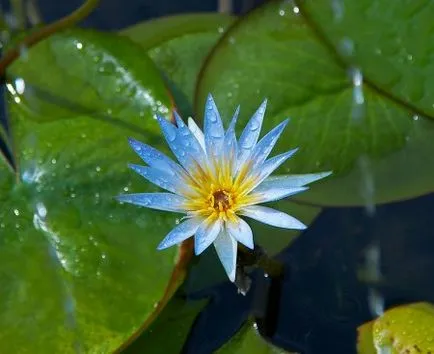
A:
{"points": [[80, 271], [83, 72], [379, 38], [175, 321], [403, 329], [378, 147], [249, 341], [179, 45]]}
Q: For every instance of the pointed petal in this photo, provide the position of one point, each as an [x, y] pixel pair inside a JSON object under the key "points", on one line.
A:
{"points": [[230, 146], [272, 217], [272, 194], [261, 172], [266, 144], [206, 234], [292, 181], [241, 232], [159, 201], [197, 132], [153, 157], [250, 135], [182, 142], [180, 233], [226, 247], [213, 127], [162, 179]]}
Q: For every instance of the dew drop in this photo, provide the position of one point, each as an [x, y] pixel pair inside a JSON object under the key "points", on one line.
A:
{"points": [[53, 161], [20, 86], [126, 189], [79, 45], [338, 10], [98, 169], [296, 10]]}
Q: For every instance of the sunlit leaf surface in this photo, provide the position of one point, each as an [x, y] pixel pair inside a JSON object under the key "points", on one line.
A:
{"points": [[79, 271], [403, 329]]}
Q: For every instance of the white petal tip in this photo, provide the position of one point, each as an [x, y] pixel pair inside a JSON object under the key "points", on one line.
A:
{"points": [[232, 277], [162, 246]]}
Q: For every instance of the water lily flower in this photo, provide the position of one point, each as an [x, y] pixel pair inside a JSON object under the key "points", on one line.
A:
{"points": [[218, 179]]}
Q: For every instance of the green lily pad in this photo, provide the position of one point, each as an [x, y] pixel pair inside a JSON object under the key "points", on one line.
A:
{"points": [[403, 329], [380, 39], [378, 148], [179, 45], [80, 271], [249, 341], [84, 72], [170, 330]]}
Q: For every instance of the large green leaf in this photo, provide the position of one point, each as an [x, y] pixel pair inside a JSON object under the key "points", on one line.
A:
{"points": [[380, 39], [249, 341], [179, 45], [378, 147], [80, 271], [403, 329], [71, 74]]}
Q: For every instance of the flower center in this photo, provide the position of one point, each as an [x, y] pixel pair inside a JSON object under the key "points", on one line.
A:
{"points": [[221, 200]]}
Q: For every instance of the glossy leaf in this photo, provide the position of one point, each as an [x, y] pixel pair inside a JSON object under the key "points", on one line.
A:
{"points": [[179, 45], [403, 329], [249, 341], [80, 271], [378, 147], [379, 38], [83, 72]]}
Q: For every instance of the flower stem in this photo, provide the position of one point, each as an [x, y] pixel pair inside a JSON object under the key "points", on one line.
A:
{"points": [[45, 32], [259, 258]]}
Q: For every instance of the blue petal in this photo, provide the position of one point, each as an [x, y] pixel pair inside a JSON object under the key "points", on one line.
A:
{"points": [[250, 135], [241, 232], [272, 217], [182, 142], [153, 157], [159, 201], [213, 127], [180, 233], [266, 144], [226, 247], [272, 194], [262, 171], [160, 178], [230, 148], [197, 132], [206, 234], [292, 181]]}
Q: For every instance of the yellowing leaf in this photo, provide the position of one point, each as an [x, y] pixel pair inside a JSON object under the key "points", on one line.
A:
{"points": [[405, 329]]}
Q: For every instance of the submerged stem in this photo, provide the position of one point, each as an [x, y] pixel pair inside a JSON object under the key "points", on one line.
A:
{"points": [[44, 32]]}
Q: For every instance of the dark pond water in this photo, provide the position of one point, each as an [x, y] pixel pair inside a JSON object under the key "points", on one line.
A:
{"points": [[317, 307]]}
